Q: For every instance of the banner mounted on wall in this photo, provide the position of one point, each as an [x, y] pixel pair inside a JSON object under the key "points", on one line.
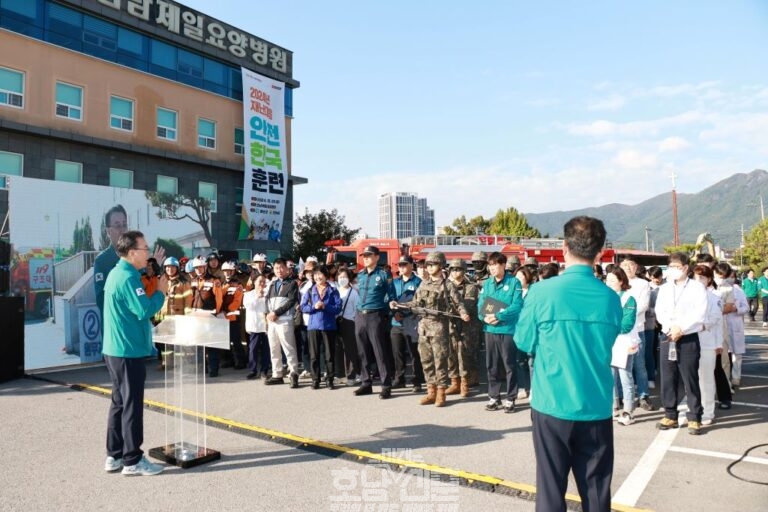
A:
{"points": [[266, 177]]}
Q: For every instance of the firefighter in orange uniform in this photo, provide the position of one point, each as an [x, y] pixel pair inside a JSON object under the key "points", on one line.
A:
{"points": [[233, 299], [207, 295]]}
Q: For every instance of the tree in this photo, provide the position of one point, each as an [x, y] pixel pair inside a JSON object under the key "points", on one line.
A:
{"points": [[510, 222], [82, 237], [171, 248], [474, 226], [755, 251], [104, 240], [311, 231], [689, 249], [171, 204]]}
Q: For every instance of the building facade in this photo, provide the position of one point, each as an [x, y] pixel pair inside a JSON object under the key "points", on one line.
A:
{"points": [[403, 215], [143, 94]]}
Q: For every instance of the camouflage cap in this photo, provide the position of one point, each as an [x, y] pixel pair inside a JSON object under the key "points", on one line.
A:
{"points": [[530, 260], [436, 257], [458, 263], [479, 256]]}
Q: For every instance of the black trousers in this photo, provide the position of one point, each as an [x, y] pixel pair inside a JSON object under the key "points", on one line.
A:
{"points": [[722, 385], [236, 343], [258, 353], [765, 309], [686, 371], [327, 339], [402, 345], [348, 340], [125, 422], [373, 344], [586, 448], [501, 360], [754, 303]]}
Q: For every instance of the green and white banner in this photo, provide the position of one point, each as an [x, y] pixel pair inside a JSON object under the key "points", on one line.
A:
{"points": [[266, 176]]}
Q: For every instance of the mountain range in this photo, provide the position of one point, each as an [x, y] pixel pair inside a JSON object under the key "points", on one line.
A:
{"points": [[720, 210]]}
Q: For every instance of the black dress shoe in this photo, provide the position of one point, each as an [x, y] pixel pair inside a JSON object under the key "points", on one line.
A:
{"points": [[213, 373], [398, 384], [316, 384], [329, 383], [294, 380], [252, 375], [363, 390], [274, 380], [385, 393]]}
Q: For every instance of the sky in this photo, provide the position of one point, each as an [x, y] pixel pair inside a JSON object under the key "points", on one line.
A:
{"points": [[541, 106]]}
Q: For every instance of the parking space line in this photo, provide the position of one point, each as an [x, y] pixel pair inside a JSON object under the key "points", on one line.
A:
{"points": [[634, 486], [762, 406], [754, 376], [475, 480], [719, 455]]}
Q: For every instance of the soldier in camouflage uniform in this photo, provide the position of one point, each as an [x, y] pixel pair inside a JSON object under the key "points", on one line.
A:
{"points": [[480, 264], [433, 300], [464, 335]]}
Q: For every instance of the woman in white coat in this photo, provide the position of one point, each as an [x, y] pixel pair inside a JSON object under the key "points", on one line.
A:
{"points": [[711, 342]]}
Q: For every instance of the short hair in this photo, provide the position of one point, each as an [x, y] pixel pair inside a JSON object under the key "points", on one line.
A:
{"points": [[548, 270], [622, 277], [497, 258], [526, 272], [346, 270], [323, 270], [630, 258], [280, 261], [118, 208], [723, 269], [656, 272], [585, 237], [598, 269], [706, 271], [609, 268], [750, 270], [679, 257], [705, 258], [128, 241]]}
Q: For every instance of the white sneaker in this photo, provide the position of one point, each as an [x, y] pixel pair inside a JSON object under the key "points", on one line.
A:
{"points": [[765, 324], [143, 468], [707, 422], [522, 394], [651, 384], [626, 418], [305, 375], [112, 464]]}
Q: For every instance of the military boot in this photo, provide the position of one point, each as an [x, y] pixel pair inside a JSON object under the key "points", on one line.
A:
{"points": [[454, 388], [430, 398], [464, 387], [440, 398]]}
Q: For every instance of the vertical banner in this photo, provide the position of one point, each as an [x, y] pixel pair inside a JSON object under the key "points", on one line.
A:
{"points": [[266, 176]]}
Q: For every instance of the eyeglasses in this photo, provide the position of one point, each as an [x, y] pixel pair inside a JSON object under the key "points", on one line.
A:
{"points": [[141, 249], [118, 226]]}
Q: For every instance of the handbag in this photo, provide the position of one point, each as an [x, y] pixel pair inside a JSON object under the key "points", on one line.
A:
{"points": [[340, 318]]}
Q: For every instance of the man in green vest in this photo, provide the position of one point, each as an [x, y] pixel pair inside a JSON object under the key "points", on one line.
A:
{"points": [[569, 324]]}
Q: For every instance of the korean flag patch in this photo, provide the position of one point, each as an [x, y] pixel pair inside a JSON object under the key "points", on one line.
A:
{"points": [[140, 292], [98, 277]]}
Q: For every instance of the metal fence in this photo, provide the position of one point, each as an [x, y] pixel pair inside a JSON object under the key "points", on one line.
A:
{"points": [[68, 271]]}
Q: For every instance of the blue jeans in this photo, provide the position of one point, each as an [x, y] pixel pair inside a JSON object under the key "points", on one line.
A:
{"points": [[649, 336], [638, 371], [624, 377]]}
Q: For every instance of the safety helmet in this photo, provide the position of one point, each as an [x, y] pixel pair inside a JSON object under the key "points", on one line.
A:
{"points": [[170, 261], [198, 262], [259, 257], [436, 257], [479, 256], [228, 265], [530, 260], [458, 263], [212, 256]]}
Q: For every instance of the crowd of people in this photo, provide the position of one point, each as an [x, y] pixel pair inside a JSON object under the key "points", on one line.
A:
{"points": [[571, 339]]}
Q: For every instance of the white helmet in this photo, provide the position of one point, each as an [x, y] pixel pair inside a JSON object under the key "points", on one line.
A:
{"points": [[228, 265], [199, 261], [260, 257]]}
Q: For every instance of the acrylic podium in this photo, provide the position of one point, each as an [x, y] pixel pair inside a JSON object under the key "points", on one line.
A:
{"points": [[186, 339]]}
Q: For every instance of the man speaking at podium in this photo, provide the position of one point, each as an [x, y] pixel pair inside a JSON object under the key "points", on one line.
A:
{"points": [[127, 341]]}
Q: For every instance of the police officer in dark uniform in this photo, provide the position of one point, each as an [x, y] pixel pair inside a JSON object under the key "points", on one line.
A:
{"points": [[370, 323]]}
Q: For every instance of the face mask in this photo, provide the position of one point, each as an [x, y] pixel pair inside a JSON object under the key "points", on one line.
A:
{"points": [[719, 281], [673, 274], [343, 281]]}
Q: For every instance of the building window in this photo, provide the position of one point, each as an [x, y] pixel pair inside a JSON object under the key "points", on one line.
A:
{"points": [[11, 88], [120, 113], [69, 101], [167, 185], [11, 164], [166, 124], [120, 178], [68, 171], [239, 141], [206, 134], [208, 191]]}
